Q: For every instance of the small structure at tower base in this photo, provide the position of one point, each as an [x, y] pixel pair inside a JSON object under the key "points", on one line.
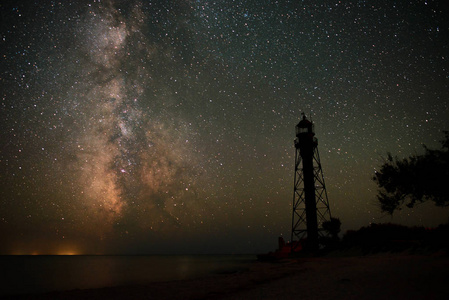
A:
{"points": [[285, 250]]}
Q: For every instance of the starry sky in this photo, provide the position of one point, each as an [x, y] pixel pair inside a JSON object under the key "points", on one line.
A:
{"points": [[168, 126]]}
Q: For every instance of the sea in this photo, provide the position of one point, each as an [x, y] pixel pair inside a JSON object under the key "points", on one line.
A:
{"points": [[22, 274]]}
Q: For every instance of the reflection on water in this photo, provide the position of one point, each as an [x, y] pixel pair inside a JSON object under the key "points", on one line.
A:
{"points": [[36, 274]]}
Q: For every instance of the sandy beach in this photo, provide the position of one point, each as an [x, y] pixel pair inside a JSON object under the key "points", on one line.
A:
{"points": [[380, 276]]}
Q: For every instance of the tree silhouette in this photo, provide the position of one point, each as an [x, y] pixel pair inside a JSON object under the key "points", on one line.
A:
{"points": [[415, 179], [333, 228]]}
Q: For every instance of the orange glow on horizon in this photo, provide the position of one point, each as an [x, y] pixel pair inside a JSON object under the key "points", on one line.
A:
{"points": [[67, 249], [43, 253], [67, 253]]}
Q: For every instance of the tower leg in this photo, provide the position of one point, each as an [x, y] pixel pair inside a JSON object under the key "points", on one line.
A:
{"points": [[310, 202]]}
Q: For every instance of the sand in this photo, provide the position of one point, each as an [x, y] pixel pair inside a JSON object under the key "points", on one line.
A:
{"points": [[381, 276]]}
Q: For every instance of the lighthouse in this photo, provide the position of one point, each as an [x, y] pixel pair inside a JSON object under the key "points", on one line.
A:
{"points": [[310, 202]]}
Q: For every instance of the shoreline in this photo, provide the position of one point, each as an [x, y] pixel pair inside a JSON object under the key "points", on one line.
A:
{"points": [[385, 275]]}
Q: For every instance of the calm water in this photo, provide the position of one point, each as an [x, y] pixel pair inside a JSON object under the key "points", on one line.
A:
{"points": [[37, 274]]}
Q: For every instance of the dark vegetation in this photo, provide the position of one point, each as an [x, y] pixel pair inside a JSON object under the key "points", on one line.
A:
{"points": [[406, 182], [415, 179], [402, 182], [397, 238], [333, 228]]}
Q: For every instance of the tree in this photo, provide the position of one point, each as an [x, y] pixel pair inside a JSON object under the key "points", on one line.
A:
{"points": [[415, 179], [333, 228]]}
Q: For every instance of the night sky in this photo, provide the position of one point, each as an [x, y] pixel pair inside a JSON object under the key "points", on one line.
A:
{"points": [[168, 126]]}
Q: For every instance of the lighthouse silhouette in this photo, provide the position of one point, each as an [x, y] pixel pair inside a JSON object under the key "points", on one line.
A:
{"points": [[310, 202]]}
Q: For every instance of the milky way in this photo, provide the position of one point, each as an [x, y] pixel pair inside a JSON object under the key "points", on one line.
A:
{"points": [[146, 126], [132, 158]]}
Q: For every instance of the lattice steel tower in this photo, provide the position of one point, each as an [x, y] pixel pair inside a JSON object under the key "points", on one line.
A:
{"points": [[310, 203]]}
